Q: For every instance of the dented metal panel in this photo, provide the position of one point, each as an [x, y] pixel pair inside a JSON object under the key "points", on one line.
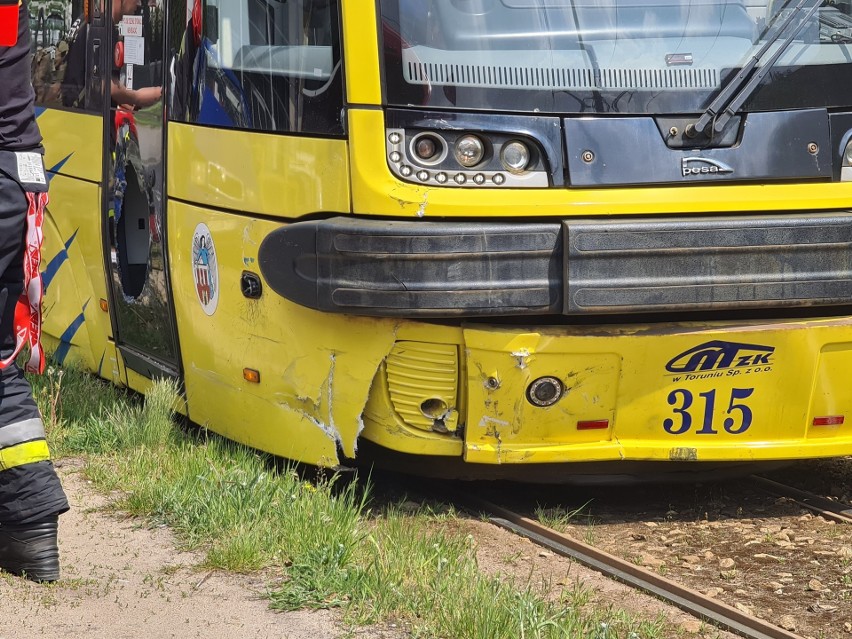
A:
{"points": [[316, 370], [503, 427], [687, 393]]}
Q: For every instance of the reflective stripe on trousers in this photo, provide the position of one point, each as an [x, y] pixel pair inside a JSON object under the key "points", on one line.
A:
{"points": [[22, 443]]}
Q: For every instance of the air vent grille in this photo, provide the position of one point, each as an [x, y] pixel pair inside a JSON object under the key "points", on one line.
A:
{"points": [[565, 78], [418, 372]]}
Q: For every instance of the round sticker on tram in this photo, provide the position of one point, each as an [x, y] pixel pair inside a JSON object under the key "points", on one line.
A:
{"points": [[205, 269]]}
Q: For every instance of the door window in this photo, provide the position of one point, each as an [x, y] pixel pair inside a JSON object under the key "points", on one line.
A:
{"points": [[264, 65], [62, 56]]}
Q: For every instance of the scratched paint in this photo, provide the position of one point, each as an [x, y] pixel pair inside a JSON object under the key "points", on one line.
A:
{"points": [[316, 369], [509, 428]]}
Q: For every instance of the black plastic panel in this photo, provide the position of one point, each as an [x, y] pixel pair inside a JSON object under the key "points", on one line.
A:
{"points": [[772, 146], [416, 269], [715, 263]]}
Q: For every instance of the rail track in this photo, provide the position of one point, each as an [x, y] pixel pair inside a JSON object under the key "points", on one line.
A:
{"points": [[688, 600], [708, 609], [839, 512]]}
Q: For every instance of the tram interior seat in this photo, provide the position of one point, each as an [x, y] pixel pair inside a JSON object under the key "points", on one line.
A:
{"points": [[560, 24], [273, 22], [308, 62], [272, 65], [831, 24]]}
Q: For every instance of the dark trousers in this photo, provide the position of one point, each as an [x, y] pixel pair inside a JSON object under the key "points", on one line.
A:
{"points": [[28, 492]]}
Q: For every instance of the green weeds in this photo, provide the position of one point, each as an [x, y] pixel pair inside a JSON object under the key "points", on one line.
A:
{"points": [[559, 518], [325, 540]]}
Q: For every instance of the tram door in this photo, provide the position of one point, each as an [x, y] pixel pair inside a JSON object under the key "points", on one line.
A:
{"points": [[134, 199]]}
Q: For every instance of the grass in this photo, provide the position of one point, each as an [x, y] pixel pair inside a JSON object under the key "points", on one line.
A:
{"points": [[328, 544], [560, 518]]}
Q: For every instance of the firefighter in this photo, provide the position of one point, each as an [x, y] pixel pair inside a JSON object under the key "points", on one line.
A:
{"points": [[31, 496]]}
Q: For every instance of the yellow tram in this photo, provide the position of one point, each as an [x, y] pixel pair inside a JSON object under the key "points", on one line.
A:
{"points": [[488, 237]]}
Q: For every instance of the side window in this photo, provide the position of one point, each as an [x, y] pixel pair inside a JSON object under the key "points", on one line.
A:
{"points": [[264, 65], [60, 30]]}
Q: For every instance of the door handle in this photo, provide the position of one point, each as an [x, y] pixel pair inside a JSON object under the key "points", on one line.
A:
{"points": [[96, 54]]}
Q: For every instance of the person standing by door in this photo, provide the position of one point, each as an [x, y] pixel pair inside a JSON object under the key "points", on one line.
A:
{"points": [[31, 495]]}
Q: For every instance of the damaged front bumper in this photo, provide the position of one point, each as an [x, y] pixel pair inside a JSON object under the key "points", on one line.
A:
{"points": [[698, 392]]}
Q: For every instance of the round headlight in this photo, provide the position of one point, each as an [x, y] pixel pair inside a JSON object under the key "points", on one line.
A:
{"points": [[425, 148], [515, 156], [469, 150], [428, 148], [847, 154]]}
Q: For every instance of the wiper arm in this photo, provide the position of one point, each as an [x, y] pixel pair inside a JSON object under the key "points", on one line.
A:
{"points": [[740, 88]]}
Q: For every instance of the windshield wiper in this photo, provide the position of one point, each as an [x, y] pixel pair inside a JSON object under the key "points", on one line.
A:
{"points": [[734, 94]]}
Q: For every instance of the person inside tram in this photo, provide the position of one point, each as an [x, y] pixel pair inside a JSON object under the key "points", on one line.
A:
{"points": [[74, 80], [122, 95]]}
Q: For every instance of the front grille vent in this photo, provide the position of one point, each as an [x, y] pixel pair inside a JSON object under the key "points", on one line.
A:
{"points": [[565, 78]]}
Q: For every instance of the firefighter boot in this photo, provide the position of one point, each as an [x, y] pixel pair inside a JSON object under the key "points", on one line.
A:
{"points": [[30, 550]]}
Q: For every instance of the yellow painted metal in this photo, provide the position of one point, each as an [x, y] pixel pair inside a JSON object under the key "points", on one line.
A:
{"points": [[322, 374], [361, 53], [376, 191], [260, 173], [75, 139], [74, 249], [112, 365], [383, 424], [784, 372], [73, 322], [831, 391], [316, 369], [137, 381]]}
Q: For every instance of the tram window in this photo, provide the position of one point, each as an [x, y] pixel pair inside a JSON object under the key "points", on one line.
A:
{"points": [[264, 65], [59, 32]]}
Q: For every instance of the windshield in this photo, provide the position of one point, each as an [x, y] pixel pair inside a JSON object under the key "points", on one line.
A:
{"points": [[611, 56]]}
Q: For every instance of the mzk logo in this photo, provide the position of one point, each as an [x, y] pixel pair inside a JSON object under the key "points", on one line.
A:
{"points": [[717, 355], [703, 166]]}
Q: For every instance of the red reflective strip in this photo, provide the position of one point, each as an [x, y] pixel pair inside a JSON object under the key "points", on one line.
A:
{"points": [[594, 424], [28, 308], [832, 420]]}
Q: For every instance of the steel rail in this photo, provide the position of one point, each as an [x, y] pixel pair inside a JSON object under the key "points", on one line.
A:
{"points": [[838, 512], [686, 599]]}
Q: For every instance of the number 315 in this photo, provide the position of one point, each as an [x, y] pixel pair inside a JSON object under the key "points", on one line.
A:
{"points": [[738, 418]]}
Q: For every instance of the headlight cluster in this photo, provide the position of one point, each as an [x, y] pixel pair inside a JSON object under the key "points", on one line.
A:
{"points": [[846, 165], [458, 158]]}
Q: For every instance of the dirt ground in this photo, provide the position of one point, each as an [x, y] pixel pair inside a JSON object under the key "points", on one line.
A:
{"points": [[123, 580], [120, 580]]}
